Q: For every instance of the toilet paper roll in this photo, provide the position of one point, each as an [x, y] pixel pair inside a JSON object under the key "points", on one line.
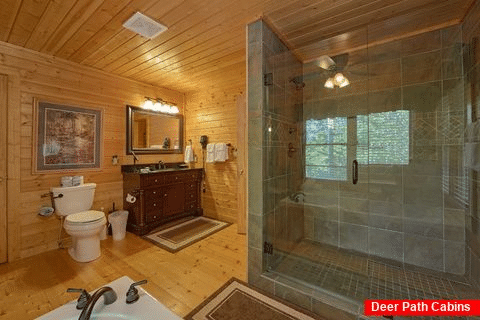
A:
{"points": [[130, 198], [46, 211]]}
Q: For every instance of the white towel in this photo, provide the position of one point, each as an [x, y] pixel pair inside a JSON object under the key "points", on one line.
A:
{"points": [[221, 152], [188, 154], [211, 152]]}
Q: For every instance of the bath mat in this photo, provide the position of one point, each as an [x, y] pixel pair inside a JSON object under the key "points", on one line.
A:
{"points": [[185, 233], [236, 300]]}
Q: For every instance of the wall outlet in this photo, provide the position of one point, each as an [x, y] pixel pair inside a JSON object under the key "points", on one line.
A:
{"points": [[115, 160]]}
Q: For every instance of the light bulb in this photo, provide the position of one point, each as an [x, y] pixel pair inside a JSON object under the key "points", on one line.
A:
{"points": [[329, 83], [339, 78], [164, 108], [148, 104], [344, 83], [157, 106]]}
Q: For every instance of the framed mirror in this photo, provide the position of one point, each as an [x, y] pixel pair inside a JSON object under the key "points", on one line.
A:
{"points": [[151, 132]]}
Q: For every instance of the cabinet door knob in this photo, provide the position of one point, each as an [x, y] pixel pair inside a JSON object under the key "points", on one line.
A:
{"points": [[154, 192], [154, 204], [176, 178], [165, 195], [191, 185], [156, 180], [155, 217]]}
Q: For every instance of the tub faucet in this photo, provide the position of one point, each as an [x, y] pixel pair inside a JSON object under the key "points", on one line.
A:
{"points": [[296, 196], [109, 297]]}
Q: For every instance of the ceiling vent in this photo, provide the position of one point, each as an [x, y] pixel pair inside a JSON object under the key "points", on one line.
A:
{"points": [[144, 26]]}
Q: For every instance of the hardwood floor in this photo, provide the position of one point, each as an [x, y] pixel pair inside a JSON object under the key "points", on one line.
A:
{"points": [[36, 285]]}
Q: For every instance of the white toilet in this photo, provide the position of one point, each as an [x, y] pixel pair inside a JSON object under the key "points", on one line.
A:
{"points": [[82, 224]]}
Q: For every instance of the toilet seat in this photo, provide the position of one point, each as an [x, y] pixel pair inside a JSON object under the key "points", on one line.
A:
{"points": [[84, 217]]}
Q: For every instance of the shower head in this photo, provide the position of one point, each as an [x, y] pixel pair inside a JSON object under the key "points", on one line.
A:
{"points": [[298, 82]]}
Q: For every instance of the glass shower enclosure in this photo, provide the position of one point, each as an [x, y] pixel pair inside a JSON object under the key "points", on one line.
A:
{"points": [[358, 192]]}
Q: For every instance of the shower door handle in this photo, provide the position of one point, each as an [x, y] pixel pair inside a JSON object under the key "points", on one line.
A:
{"points": [[355, 171]]}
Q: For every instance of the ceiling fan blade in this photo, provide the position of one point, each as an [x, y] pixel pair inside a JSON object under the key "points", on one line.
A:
{"points": [[325, 62]]}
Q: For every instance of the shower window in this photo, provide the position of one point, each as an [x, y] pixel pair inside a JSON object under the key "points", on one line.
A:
{"points": [[326, 149], [387, 136], [382, 138]]}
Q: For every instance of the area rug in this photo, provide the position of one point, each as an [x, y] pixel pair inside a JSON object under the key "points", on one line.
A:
{"points": [[186, 233], [236, 300]]}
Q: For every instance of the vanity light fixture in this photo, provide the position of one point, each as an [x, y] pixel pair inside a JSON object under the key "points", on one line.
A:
{"points": [[159, 105]]}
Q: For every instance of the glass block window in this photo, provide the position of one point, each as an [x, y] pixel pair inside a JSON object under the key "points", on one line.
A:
{"points": [[382, 138], [326, 149]]}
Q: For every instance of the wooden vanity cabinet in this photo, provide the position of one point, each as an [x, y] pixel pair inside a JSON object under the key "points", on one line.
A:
{"points": [[161, 197]]}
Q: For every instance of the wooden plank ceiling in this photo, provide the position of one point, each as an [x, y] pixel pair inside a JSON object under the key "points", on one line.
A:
{"points": [[205, 42]]}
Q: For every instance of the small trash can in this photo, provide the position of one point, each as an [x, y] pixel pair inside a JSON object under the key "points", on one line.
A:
{"points": [[118, 220]]}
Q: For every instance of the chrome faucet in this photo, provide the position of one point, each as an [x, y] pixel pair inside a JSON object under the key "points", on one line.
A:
{"points": [[109, 297], [296, 196], [161, 165]]}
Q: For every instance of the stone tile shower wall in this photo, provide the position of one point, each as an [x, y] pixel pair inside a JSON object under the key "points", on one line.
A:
{"points": [[471, 65], [412, 213], [275, 146]]}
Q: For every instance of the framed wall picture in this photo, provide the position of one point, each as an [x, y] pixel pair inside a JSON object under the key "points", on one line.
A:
{"points": [[67, 137]]}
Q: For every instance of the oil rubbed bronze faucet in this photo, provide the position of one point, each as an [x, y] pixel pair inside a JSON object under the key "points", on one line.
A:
{"points": [[109, 297]]}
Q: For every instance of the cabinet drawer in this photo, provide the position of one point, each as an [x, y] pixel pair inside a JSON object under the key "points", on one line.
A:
{"points": [[193, 176], [173, 178], [153, 179], [153, 194], [191, 186], [153, 215], [153, 203], [190, 206]]}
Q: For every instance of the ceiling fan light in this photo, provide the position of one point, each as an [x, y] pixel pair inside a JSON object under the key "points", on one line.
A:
{"points": [[329, 83], [325, 62], [339, 78], [344, 83]]}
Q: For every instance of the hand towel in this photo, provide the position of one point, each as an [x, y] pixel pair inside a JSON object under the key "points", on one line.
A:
{"points": [[211, 152], [188, 154], [221, 152]]}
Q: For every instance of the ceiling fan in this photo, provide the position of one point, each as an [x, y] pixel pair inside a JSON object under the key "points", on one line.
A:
{"points": [[335, 65]]}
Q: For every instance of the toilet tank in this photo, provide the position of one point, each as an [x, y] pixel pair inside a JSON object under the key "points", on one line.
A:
{"points": [[75, 199]]}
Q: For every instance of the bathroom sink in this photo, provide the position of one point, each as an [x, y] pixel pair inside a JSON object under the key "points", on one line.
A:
{"points": [[146, 308]]}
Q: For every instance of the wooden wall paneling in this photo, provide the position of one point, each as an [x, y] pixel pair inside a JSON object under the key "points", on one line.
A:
{"points": [[13, 167], [3, 167], [26, 20], [50, 19], [8, 15], [75, 18], [179, 31], [99, 18], [354, 18], [101, 43], [216, 38], [198, 69], [242, 144], [37, 75], [209, 112]]}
